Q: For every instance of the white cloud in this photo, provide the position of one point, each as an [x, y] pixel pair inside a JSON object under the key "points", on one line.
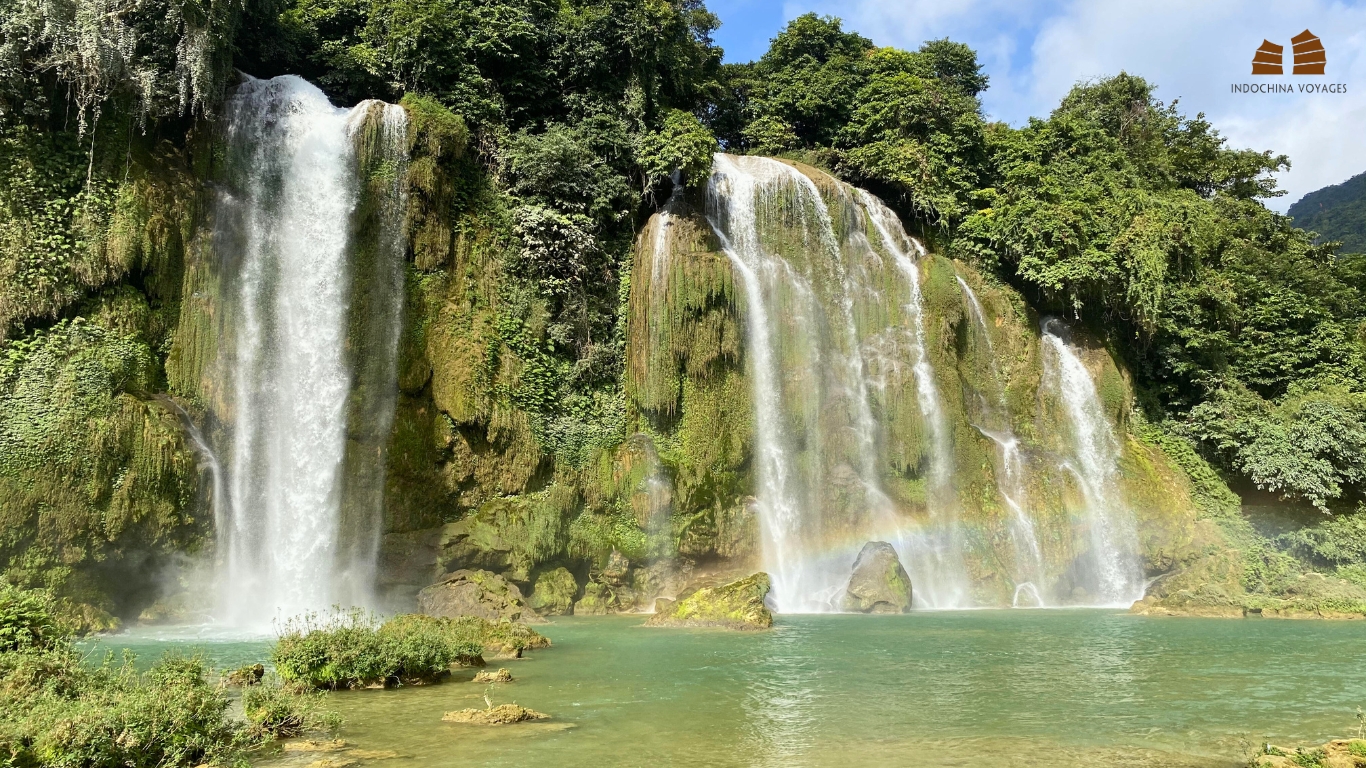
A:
{"points": [[1035, 51]]}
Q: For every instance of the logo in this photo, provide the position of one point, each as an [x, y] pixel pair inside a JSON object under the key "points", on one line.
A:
{"points": [[1308, 57], [1308, 51], [1309, 54]]}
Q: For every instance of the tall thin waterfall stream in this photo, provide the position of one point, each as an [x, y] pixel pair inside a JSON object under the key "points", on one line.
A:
{"points": [[285, 231]]}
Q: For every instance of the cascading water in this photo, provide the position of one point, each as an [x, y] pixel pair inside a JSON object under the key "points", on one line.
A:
{"points": [[285, 233], [814, 307], [732, 194], [1111, 570], [1010, 476], [935, 552]]}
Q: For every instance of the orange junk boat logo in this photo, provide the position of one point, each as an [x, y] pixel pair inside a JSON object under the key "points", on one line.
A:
{"points": [[1267, 60], [1307, 49], [1309, 54]]}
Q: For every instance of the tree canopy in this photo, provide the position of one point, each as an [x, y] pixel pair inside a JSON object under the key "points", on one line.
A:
{"points": [[1116, 209]]}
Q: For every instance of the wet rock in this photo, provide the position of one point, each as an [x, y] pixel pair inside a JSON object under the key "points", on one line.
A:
{"points": [[501, 676], [503, 714], [554, 592], [245, 676], [596, 600], [614, 573], [879, 583], [737, 605], [314, 745], [180, 608], [476, 593]]}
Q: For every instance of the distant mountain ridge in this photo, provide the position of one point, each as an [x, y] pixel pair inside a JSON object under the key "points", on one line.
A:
{"points": [[1336, 213]]}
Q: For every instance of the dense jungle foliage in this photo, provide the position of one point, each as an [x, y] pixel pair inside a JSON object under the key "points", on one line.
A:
{"points": [[556, 126]]}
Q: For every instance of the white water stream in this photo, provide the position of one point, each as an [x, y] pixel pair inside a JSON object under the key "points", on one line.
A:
{"points": [[819, 493], [1113, 570], [1010, 473], [288, 213]]}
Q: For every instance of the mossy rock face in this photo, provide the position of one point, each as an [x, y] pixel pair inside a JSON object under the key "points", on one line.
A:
{"points": [[737, 605], [597, 600], [554, 593], [1213, 585], [480, 594]]}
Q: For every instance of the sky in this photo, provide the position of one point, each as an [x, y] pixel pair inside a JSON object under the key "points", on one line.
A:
{"points": [[1034, 51]]}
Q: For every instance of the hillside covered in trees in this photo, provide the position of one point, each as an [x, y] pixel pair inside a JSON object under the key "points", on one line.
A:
{"points": [[544, 137], [1335, 213]]}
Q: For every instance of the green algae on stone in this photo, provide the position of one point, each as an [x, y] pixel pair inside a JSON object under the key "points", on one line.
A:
{"points": [[737, 605], [554, 593]]}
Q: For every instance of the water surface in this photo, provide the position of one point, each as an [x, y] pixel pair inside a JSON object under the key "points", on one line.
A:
{"points": [[977, 688]]}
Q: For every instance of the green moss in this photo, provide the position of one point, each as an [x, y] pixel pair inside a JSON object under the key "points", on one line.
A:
{"points": [[554, 593], [737, 605], [93, 474]]}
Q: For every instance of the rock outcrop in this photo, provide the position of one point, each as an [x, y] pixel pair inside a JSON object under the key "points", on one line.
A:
{"points": [[879, 583], [1212, 586], [597, 600], [476, 593], [737, 605], [554, 592], [1338, 753]]}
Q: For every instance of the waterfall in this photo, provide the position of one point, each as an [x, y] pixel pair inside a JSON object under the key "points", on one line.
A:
{"points": [[815, 300], [1110, 570], [287, 237], [1010, 476], [732, 194], [217, 492], [933, 556]]}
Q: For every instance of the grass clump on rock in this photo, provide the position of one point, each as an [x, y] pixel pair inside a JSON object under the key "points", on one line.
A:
{"points": [[503, 714], [353, 650]]}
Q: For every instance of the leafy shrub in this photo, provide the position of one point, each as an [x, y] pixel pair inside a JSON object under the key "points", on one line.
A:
{"points": [[349, 650], [55, 712], [58, 712], [275, 709], [27, 619]]}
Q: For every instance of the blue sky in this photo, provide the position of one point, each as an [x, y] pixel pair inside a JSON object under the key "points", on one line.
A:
{"points": [[1035, 50]]}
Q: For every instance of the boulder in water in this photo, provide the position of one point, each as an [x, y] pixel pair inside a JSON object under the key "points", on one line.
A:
{"points": [[737, 605], [553, 594], [501, 676], [476, 593], [879, 583]]}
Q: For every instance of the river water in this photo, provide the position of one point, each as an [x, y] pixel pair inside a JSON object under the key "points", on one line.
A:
{"points": [[975, 688]]}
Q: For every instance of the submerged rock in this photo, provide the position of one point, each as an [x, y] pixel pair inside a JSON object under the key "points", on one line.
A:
{"points": [[503, 714], [553, 594], [879, 583], [476, 593], [737, 605]]}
